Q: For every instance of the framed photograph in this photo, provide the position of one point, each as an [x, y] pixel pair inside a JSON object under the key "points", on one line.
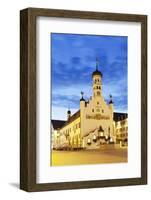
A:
{"points": [[83, 99]]}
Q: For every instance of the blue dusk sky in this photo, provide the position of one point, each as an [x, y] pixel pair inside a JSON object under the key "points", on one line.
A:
{"points": [[73, 59]]}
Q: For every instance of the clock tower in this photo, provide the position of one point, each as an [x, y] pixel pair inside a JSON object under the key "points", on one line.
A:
{"points": [[97, 81]]}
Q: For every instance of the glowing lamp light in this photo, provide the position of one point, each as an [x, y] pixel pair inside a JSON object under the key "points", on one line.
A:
{"points": [[94, 138], [106, 137], [89, 141]]}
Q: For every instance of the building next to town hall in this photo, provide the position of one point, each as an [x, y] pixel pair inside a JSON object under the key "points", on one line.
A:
{"points": [[121, 128], [94, 124]]}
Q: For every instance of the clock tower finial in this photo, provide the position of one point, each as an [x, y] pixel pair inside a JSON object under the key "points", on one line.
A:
{"points": [[97, 72], [97, 63]]}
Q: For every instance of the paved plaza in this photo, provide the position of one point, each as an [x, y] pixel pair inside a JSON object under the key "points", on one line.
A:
{"points": [[106, 154]]}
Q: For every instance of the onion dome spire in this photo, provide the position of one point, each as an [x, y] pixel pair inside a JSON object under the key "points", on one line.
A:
{"points": [[110, 102], [82, 99], [69, 112], [97, 72]]}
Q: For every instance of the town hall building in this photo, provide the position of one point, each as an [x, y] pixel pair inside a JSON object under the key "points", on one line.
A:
{"points": [[92, 125]]}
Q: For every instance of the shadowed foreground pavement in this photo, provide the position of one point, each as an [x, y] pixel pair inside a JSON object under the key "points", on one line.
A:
{"points": [[104, 155]]}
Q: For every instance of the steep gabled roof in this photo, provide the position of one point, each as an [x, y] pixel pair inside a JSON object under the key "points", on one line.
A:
{"points": [[57, 123], [119, 116], [72, 118]]}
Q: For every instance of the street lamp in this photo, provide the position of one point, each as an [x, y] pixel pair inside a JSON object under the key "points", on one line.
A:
{"points": [[94, 138], [101, 132], [106, 138], [88, 141], [111, 140]]}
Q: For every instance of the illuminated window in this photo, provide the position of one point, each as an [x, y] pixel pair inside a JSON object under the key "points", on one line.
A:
{"points": [[88, 141]]}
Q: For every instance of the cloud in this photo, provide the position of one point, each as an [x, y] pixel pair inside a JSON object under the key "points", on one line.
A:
{"points": [[74, 60], [60, 113], [66, 101]]}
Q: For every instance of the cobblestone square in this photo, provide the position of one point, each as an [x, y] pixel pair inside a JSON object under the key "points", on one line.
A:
{"points": [[79, 157]]}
